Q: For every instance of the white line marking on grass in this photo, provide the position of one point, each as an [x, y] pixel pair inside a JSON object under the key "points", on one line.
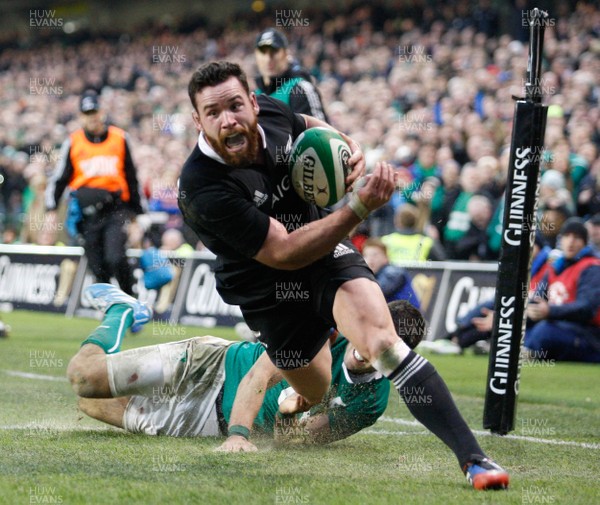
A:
{"points": [[550, 441], [37, 376], [53, 427], [406, 422], [397, 433]]}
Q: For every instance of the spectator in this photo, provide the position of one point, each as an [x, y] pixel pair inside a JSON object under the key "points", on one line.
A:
{"points": [[594, 233], [588, 200], [281, 77], [445, 195], [172, 240], [551, 222], [566, 318], [395, 282], [34, 207], [486, 18], [408, 243], [360, 235], [12, 186], [553, 191], [163, 198], [9, 236], [460, 99], [424, 166], [572, 166], [492, 178], [458, 220], [588, 152], [475, 327], [96, 165], [473, 245]]}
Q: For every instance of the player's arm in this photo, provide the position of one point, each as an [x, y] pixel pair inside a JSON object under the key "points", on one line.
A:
{"points": [[248, 400], [137, 202], [60, 178], [291, 251]]}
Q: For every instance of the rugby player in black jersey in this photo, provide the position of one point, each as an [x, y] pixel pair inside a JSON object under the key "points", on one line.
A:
{"points": [[235, 193]]}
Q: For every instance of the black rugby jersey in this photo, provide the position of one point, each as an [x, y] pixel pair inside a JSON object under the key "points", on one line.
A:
{"points": [[229, 207]]}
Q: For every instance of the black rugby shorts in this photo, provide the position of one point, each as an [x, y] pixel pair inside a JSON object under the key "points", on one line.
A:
{"points": [[295, 320]]}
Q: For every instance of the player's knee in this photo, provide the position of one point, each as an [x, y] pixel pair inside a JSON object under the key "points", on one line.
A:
{"points": [[374, 346], [81, 373], [389, 358], [77, 374]]}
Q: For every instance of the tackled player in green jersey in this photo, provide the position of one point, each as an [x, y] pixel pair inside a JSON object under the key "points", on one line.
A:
{"points": [[189, 388]]}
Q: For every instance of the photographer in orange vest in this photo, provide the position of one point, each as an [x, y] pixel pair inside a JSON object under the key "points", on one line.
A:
{"points": [[96, 165]]}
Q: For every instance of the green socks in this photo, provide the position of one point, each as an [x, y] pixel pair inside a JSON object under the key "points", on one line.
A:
{"points": [[110, 333]]}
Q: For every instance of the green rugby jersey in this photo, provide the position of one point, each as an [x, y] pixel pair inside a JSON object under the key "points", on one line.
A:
{"points": [[350, 404]]}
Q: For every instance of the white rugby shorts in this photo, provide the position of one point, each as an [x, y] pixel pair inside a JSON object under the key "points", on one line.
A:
{"points": [[173, 386]]}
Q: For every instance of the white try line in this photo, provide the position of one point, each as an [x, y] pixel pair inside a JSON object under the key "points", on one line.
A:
{"points": [[549, 441], [35, 376], [50, 428]]}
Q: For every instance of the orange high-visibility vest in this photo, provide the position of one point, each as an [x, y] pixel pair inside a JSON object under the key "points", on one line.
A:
{"points": [[100, 165]]}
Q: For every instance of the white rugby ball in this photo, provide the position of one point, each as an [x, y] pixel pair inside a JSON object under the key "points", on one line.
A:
{"points": [[319, 166]]}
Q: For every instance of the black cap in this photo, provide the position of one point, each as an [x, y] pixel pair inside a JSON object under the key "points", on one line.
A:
{"points": [[89, 102], [271, 38], [575, 226], [595, 219]]}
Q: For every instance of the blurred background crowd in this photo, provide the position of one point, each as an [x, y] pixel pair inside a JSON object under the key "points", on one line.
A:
{"points": [[430, 89]]}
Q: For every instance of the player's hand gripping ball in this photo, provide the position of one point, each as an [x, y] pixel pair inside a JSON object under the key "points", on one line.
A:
{"points": [[319, 166]]}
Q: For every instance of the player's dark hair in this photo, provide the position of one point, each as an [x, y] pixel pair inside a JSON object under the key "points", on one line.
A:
{"points": [[213, 73], [409, 322]]}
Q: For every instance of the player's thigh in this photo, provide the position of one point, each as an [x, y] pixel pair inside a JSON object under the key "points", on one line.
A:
{"points": [[362, 316], [347, 295], [164, 369], [312, 381], [292, 332]]}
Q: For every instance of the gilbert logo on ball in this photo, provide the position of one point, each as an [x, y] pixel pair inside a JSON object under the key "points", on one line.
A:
{"points": [[319, 166]]}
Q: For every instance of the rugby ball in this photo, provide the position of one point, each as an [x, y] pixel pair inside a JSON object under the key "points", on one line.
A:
{"points": [[319, 166]]}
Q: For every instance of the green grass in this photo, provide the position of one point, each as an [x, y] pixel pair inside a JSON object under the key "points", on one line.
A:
{"points": [[51, 453]]}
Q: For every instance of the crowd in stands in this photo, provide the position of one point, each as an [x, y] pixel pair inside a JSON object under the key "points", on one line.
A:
{"points": [[430, 90]]}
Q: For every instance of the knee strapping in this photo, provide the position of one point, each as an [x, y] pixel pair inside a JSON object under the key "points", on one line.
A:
{"points": [[390, 359]]}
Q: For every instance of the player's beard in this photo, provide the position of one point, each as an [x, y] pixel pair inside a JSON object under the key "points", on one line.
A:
{"points": [[240, 158]]}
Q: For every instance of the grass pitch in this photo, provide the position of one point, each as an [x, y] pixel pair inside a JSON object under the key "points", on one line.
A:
{"points": [[51, 453]]}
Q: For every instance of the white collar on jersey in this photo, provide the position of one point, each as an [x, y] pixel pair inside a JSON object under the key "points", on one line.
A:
{"points": [[206, 148], [354, 378]]}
